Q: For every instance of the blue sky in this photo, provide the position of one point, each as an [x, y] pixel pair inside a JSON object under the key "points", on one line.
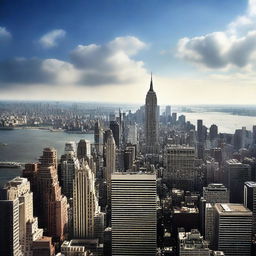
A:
{"points": [[130, 38]]}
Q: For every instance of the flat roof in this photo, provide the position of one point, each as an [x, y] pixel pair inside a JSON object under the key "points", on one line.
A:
{"points": [[250, 184], [133, 176], [232, 209]]}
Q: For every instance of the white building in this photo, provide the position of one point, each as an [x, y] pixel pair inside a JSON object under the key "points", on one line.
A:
{"points": [[19, 188]]}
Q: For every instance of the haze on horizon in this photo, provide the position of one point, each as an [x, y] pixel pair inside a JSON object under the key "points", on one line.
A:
{"points": [[104, 51]]}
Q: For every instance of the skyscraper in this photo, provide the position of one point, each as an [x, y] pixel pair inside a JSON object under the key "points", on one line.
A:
{"points": [[200, 139], [250, 201], [83, 149], [151, 121], [216, 193], [114, 127], [9, 231], [236, 174], [49, 157], [133, 214], [69, 165], [232, 231], [84, 202], [52, 204], [19, 188], [110, 163], [213, 132], [180, 166], [98, 138]]}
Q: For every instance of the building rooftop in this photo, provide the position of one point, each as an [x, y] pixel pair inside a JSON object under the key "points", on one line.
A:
{"points": [[133, 176], [251, 184], [233, 162], [215, 186], [232, 209]]}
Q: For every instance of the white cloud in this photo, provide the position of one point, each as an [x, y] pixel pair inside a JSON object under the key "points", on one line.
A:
{"points": [[234, 48], [110, 63], [52, 38], [90, 65], [4, 34]]}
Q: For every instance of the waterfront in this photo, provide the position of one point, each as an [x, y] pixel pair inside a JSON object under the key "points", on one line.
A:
{"points": [[227, 123], [26, 145]]}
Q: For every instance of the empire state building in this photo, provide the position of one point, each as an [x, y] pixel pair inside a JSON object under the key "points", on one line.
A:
{"points": [[151, 121]]}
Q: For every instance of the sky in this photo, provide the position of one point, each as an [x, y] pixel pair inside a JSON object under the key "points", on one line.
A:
{"points": [[200, 52]]}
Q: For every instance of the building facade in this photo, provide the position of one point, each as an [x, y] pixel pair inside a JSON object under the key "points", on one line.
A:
{"points": [[133, 214]]}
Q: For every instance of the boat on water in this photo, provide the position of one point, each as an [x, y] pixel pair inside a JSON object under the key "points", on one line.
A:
{"points": [[10, 165]]}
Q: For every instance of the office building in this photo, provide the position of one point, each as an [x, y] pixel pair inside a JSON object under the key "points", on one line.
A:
{"points": [[236, 174], [192, 244], [84, 202], [114, 127], [83, 149], [98, 138], [232, 229], [216, 193], [180, 166], [133, 214], [19, 188], [168, 114], [9, 228], [151, 121], [49, 158], [69, 165], [43, 247], [70, 148], [250, 201], [52, 205], [110, 163], [213, 132], [132, 136]]}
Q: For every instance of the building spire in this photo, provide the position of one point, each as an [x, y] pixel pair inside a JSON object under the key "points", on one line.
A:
{"points": [[151, 84]]}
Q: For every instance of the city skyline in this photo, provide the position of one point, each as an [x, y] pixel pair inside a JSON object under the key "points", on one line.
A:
{"points": [[101, 51]]}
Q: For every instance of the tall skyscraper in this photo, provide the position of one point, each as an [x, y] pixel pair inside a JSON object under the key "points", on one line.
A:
{"points": [[233, 229], [151, 121], [180, 166], [19, 188], [49, 157], [236, 174], [200, 139], [110, 163], [83, 149], [168, 114], [9, 228], [213, 132], [52, 204], [114, 127], [213, 193], [69, 165], [84, 202], [250, 201], [98, 138], [133, 214], [216, 193]]}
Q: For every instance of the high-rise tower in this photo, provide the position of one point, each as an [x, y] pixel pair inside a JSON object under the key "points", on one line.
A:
{"points": [[151, 121], [85, 203], [134, 219], [110, 163]]}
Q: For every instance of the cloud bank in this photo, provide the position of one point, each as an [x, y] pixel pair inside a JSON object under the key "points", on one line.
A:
{"points": [[89, 65], [233, 48], [52, 38]]}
